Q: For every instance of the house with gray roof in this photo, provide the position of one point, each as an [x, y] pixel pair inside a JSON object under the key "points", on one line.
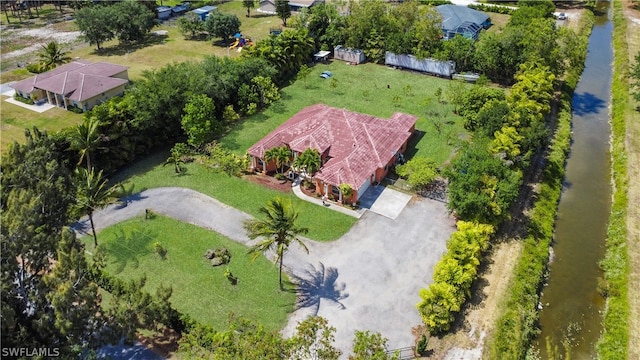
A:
{"points": [[461, 20], [80, 83]]}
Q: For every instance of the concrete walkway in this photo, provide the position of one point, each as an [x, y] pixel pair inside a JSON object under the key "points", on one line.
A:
{"points": [[37, 108], [369, 279], [335, 207]]}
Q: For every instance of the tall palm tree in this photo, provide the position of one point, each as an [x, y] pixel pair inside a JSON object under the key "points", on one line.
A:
{"points": [[85, 138], [280, 154], [93, 193], [53, 55], [278, 230]]}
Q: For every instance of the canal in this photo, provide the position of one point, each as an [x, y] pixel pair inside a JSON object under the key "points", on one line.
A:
{"points": [[571, 303]]}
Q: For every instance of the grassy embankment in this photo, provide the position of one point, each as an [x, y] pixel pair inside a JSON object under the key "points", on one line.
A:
{"points": [[614, 342]]}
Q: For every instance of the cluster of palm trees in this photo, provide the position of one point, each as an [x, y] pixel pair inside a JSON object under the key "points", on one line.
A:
{"points": [[279, 229], [309, 160], [93, 191]]}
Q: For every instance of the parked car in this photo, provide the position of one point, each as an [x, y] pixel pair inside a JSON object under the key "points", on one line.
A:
{"points": [[562, 16]]}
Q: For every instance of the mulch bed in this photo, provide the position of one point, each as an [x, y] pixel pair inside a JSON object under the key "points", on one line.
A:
{"points": [[270, 182], [310, 192]]}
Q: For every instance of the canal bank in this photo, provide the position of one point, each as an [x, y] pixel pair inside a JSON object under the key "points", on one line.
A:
{"points": [[571, 316]]}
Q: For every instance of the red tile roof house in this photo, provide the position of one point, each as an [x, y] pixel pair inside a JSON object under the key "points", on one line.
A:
{"points": [[356, 149], [80, 83]]}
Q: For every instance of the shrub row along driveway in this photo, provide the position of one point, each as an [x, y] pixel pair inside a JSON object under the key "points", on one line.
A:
{"points": [[367, 280]]}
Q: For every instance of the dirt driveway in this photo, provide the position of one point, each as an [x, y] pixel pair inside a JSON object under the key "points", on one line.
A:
{"points": [[367, 280]]}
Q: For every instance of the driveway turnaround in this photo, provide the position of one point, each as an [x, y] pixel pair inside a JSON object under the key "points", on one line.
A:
{"points": [[367, 280]]}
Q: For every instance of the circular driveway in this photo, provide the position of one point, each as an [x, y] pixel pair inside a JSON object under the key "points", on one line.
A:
{"points": [[368, 279]]}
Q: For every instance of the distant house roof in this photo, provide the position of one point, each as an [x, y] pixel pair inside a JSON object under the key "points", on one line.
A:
{"points": [[356, 144], [78, 80], [204, 10], [303, 3], [453, 16]]}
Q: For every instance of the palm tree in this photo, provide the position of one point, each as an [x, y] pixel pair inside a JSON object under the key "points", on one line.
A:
{"points": [[53, 55], [85, 138], [309, 160], [279, 230], [93, 193], [175, 159], [280, 154]]}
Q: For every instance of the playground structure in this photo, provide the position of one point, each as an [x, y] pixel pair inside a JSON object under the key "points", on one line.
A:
{"points": [[240, 42]]}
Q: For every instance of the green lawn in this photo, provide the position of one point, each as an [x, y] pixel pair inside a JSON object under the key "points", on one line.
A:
{"points": [[14, 120], [368, 88], [158, 51], [200, 290], [323, 224]]}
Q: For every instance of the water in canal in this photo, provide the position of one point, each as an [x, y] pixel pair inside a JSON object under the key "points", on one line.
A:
{"points": [[572, 305]]}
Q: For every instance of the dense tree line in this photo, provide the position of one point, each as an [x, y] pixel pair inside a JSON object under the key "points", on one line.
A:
{"points": [[485, 176], [376, 26], [244, 340], [49, 296]]}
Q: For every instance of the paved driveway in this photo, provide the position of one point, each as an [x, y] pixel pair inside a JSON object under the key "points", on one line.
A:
{"points": [[367, 280], [384, 201]]}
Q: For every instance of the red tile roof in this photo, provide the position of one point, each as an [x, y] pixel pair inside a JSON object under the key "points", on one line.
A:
{"points": [[357, 144], [78, 80]]}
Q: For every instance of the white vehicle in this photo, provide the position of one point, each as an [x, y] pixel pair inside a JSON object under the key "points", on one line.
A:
{"points": [[562, 16]]}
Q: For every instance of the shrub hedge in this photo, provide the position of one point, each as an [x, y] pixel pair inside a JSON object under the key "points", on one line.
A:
{"points": [[25, 100], [614, 342], [453, 275], [517, 326]]}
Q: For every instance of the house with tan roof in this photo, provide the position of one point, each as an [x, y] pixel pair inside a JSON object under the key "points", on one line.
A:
{"points": [[355, 149], [80, 83]]}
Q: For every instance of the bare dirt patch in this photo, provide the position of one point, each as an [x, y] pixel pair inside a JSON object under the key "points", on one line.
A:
{"points": [[270, 182], [35, 38]]}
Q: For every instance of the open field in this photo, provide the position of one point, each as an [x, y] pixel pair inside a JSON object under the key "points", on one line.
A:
{"points": [[323, 224], [199, 290], [368, 88]]}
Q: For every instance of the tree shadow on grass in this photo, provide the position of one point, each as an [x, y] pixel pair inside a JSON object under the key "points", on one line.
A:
{"points": [[129, 47], [128, 247], [317, 284]]}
